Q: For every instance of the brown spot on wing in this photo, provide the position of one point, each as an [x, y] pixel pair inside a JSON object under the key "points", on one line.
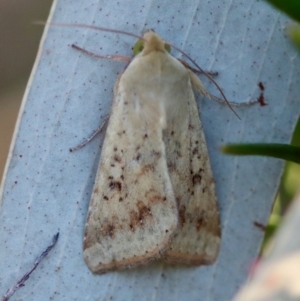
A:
{"points": [[147, 168], [197, 179], [144, 211], [89, 239], [121, 133], [156, 154], [182, 216], [115, 185], [117, 158], [95, 234], [200, 223], [195, 151], [172, 166], [154, 197], [108, 230], [140, 217]]}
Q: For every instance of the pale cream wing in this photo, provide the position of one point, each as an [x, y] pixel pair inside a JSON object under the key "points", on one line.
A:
{"points": [[133, 212], [197, 240]]}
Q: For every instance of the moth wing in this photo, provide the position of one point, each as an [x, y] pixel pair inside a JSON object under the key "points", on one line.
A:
{"points": [[197, 239], [133, 213]]}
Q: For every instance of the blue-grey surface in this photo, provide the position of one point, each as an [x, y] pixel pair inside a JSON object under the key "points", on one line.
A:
{"points": [[47, 189]]}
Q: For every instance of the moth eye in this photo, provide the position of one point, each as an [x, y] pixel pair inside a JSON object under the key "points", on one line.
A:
{"points": [[168, 48], [138, 47]]}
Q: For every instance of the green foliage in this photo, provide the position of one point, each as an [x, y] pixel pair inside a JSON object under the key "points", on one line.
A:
{"points": [[276, 150], [294, 33], [290, 7]]}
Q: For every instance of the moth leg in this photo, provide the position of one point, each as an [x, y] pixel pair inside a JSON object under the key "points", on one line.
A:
{"points": [[109, 57], [98, 130], [197, 85], [201, 89], [236, 104]]}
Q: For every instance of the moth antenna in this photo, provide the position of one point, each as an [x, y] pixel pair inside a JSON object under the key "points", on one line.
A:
{"points": [[140, 38], [208, 76], [91, 27]]}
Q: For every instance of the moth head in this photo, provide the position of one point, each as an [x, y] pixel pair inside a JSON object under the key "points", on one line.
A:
{"points": [[150, 42]]}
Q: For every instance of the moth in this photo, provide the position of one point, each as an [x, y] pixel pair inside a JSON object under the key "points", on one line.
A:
{"points": [[154, 194]]}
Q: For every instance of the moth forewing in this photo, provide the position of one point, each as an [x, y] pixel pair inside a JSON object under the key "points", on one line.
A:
{"points": [[197, 240], [133, 213], [154, 179]]}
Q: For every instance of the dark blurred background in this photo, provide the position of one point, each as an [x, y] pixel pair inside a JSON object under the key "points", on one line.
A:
{"points": [[19, 44]]}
